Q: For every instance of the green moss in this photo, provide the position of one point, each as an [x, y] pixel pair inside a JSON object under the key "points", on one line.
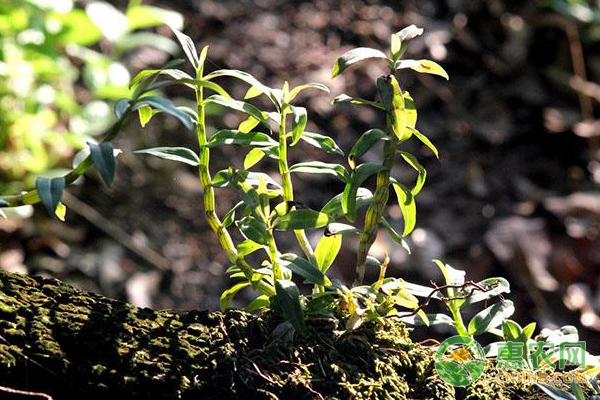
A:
{"points": [[112, 349]]}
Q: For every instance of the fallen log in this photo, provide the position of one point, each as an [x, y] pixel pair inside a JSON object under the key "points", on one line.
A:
{"points": [[68, 343]]}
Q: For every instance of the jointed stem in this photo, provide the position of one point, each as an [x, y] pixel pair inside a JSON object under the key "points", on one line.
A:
{"points": [[209, 199], [288, 192], [375, 210]]}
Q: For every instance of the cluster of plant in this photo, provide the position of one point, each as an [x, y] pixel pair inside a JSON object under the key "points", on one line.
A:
{"points": [[267, 205], [51, 62]]}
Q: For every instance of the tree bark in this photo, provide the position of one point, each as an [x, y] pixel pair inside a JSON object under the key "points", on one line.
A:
{"points": [[68, 343]]}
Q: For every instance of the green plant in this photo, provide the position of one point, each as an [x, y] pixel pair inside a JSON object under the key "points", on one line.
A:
{"points": [[266, 206], [49, 62]]}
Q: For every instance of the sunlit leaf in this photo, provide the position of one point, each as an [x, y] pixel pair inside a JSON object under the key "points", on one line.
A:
{"points": [[359, 175], [313, 85], [354, 56], [413, 162], [407, 205], [188, 47], [327, 250], [288, 299], [322, 142], [364, 143], [491, 317], [338, 229], [302, 219], [318, 167], [305, 269], [424, 140], [228, 295], [228, 136], [423, 66], [344, 98], [179, 154], [299, 119], [334, 209]]}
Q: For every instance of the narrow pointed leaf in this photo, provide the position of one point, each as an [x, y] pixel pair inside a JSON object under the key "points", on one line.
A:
{"points": [[168, 107], [179, 154], [212, 86], [410, 32], [253, 156], [305, 269], [393, 101], [50, 192], [188, 47], [359, 175], [121, 108], [288, 299], [556, 393], [408, 207], [327, 250], [364, 143], [145, 113], [258, 303], [394, 235], [497, 287], [238, 106], [354, 56], [333, 208], [425, 141], [248, 124], [411, 110], [301, 219], [413, 162], [257, 87], [227, 136], [104, 160], [322, 142], [336, 228], [491, 317], [299, 118], [313, 85], [344, 98], [248, 247], [61, 211], [228, 295], [423, 66], [318, 167]]}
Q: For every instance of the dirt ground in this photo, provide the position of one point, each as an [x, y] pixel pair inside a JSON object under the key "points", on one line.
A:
{"points": [[514, 193]]}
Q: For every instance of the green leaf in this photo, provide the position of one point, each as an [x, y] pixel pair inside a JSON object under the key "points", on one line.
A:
{"points": [[253, 156], [423, 66], [258, 303], [424, 140], [301, 219], [344, 98], [512, 331], [333, 208], [248, 124], [327, 250], [491, 317], [305, 269], [336, 228], [50, 192], [143, 16], [188, 47], [413, 162], [121, 108], [145, 113], [411, 110], [228, 295], [394, 235], [238, 106], [230, 216], [556, 393], [395, 45], [497, 287], [406, 201], [104, 160], [528, 330], [167, 106], [176, 74], [227, 136], [75, 28], [179, 154], [318, 167], [364, 143], [256, 86], [299, 118], [354, 56], [288, 299], [322, 142], [393, 101], [254, 229], [359, 175], [248, 247], [313, 85], [3, 203], [408, 33]]}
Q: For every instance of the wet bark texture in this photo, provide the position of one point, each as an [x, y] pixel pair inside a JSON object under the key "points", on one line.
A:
{"points": [[69, 343]]}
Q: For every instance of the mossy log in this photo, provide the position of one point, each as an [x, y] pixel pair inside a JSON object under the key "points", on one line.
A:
{"points": [[69, 343]]}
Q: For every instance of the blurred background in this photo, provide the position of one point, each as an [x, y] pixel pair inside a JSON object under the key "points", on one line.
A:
{"points": [[515, 192]]}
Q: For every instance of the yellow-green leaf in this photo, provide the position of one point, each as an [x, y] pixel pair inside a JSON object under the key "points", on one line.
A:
{"points": [[327, 250]]}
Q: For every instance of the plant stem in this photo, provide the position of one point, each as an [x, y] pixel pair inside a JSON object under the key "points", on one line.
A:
{"points": [[288, 191], [209, 198], [459, 325], [375, 210]]}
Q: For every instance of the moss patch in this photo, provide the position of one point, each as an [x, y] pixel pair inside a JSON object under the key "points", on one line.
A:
{"points": [[63, 341]]}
